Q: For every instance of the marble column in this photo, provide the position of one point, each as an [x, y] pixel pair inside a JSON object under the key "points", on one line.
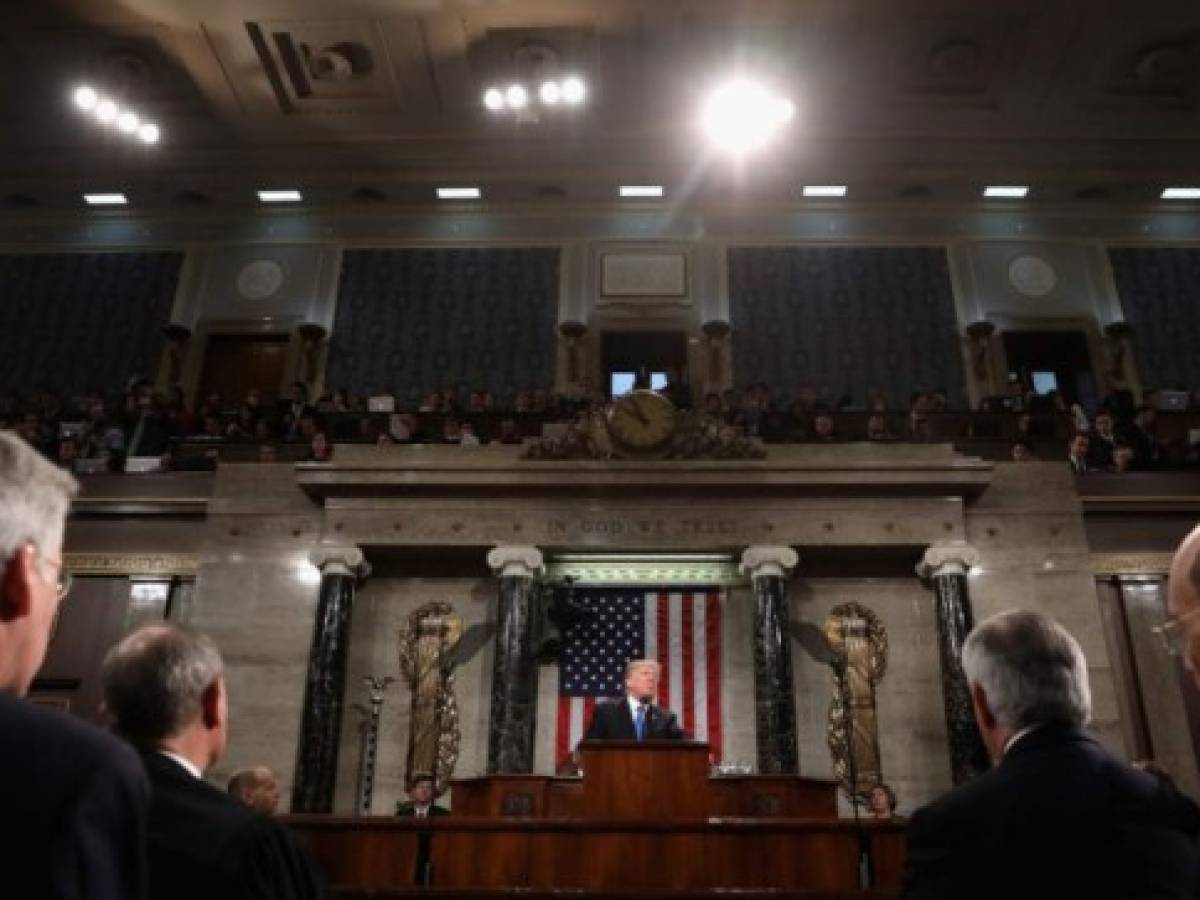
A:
{"points": [[774, 692], [945, 567], [513, 716], [325, 687]]}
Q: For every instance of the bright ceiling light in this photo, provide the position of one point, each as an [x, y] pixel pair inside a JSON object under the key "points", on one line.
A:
{"points": [[113, 199], [641, 190], [107, 111], [127, 122], [85, 98], [742, 115], [550, 92], [493, 99], [149, 133], [459, 193], [573, 89], [285, 196], [516, 96], [1010, 191], [824, 190], [1181, 193]]}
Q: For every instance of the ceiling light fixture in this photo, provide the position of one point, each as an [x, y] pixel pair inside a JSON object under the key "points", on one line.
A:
{"points": [[742, 115], [518, 96], [824, 190], [109, 199], [1181, 193], [85, 98], [459, 193], [493, 99], [574, 90], [106, 111], [550, 92], [1007, 191], [280, 196], [641, 190]]}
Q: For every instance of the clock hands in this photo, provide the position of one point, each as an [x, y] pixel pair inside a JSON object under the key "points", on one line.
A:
{"points": [[637, 411]]}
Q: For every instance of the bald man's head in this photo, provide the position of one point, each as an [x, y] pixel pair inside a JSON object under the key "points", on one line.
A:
{"points": [[1183, 598]]}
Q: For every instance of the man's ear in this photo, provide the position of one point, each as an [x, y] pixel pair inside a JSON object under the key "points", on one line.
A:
{"points": [[210, 705], [983, 712], [16, 596]]}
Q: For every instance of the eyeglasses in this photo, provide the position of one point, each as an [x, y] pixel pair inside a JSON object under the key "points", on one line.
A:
{"points": [[1172, 635]]}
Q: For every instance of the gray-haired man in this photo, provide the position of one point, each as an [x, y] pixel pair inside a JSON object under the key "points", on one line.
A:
{"points": [[164, 688], [1058, 816], [72, 798]]}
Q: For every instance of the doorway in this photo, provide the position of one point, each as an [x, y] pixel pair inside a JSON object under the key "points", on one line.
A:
{"points": [[635, 356], [1052, 361], [235, 363]]}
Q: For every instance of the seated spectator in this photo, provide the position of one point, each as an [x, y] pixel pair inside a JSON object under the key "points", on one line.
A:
{"points": [[1102, 442], [267, 453], [451, 430], [475, 404], [823, 428], [712, 405], [257, 788], [1021, 452], [264, 431], [877, 429], [467, 435], [165, 690], [509, 432], [294, 410], [420, 803], [522, 403], [489, 401], [148, 432], [1142, 436], [676, 389], [1123, 459], [539, 401], [403, 428], [1077, 454], [309, 426], [213, 428], [319, 450], [68, 452], [881, 801], [876, 402], [431, 404]]}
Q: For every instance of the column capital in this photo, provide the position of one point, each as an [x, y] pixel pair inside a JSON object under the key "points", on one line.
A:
{"points": [[759, 561], [516, 561], [955, 558], [339, 559]]}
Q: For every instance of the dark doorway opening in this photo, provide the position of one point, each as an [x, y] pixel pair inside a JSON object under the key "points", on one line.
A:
{"points": [[235, 363], [636, 356], [1046, 361]]}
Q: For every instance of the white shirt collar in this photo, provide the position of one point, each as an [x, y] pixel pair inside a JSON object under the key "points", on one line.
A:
{"points": [[183, 761], [1012, 741], [634, 703]]}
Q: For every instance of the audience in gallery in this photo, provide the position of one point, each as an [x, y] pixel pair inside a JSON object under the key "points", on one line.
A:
{"points": [[91, 432]]}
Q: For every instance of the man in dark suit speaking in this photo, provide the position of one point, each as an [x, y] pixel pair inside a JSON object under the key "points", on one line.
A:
{"points": [[72, 798], [635, 717], [1058, 816]]}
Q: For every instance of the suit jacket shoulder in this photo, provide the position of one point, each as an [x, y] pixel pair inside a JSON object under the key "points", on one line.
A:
{"points": [[75, 801], [1061, 814], [203, 844]]}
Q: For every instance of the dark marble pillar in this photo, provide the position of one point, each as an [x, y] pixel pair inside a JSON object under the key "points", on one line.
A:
{"points": [[513, 716], [774, 692], [325, 686], [946, 567]]}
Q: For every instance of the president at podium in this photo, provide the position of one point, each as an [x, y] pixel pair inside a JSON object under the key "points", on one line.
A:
{"points": [[635, 717]]}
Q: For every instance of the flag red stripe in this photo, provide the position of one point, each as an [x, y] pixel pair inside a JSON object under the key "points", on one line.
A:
{"points": [[664, 648], [712, 661], [562, 735], [689, 675]]}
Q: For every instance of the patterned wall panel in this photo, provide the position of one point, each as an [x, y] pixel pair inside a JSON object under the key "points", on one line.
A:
{"points": [[77, 322], [1159, 289], [845, 320], [412, 321]]}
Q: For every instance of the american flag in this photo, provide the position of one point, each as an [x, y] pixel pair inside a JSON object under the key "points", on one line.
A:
{"points": [[680, 629]]}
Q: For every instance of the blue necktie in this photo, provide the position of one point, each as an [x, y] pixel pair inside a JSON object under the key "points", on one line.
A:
{"points": [[639, 722]]}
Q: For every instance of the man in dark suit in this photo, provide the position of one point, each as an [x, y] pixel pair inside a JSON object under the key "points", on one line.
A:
{"points": [[635, 717], [72, 798], [1058, 816], [164, 688], [420, 800]]}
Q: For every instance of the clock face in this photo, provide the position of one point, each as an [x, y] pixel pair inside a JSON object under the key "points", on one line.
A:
{"points": [[642, 420]]}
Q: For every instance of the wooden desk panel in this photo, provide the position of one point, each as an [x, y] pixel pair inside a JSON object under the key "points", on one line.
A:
{"points": [[601, 855]]}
